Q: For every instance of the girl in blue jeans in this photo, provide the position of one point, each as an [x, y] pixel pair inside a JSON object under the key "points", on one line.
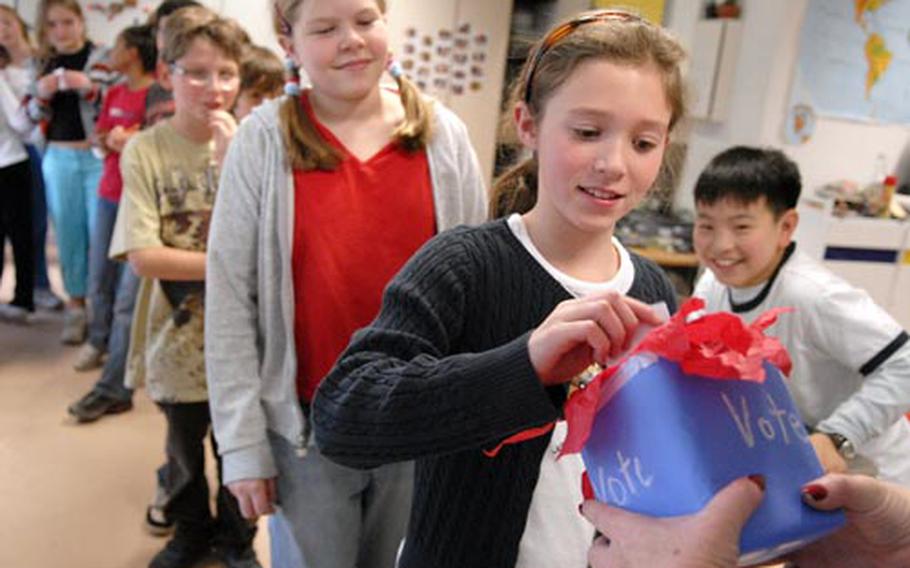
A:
{"points": [[66, 101]]}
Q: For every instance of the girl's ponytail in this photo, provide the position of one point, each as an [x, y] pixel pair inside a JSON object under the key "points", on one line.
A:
{"points": [[515, 191], [414, 132], [307, 150]]}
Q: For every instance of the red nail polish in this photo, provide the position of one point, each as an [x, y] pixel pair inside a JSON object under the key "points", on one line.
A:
{"points": [[815, 492], [758, 480]]}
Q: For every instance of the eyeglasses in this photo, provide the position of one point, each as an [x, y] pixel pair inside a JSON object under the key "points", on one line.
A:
{"points": [[567, 28], [199, 78]]}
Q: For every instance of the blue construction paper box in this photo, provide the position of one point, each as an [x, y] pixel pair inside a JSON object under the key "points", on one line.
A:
{"points": [[665, 442]]}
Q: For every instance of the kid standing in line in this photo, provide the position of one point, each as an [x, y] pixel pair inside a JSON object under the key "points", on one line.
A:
{"points": [[170, 175], [15, 200], [113, 286], [851, 360], [324, 196], [261, 79], [20, 75], [68, 97], [159, 104], [481, 332]]}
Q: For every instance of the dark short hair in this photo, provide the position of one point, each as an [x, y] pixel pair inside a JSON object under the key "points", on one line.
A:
{"points": [[167, 8], [142, 39], [261, 71], [746, 174]]}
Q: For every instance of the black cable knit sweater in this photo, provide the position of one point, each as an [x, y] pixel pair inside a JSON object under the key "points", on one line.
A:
{"points": [[444, 373]]}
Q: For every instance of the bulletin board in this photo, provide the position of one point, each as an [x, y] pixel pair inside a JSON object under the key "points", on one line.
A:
{"points": [[453, 60], [651, 10]]}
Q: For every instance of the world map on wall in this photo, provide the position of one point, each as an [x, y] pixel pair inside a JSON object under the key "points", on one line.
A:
{"points": [[854, 60]]}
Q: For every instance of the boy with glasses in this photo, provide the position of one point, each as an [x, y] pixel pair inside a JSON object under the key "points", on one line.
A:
{"points": [[170, 174]]}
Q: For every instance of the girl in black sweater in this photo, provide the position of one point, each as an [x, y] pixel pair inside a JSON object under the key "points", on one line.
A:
{"points": [[481, 333]]}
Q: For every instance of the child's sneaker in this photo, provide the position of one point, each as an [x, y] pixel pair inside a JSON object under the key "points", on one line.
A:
{"points": [[89, 358], [181, 552], [239, 557], [47, 300], [94, 405], [14, 314], [74, 326], [157, 523]]}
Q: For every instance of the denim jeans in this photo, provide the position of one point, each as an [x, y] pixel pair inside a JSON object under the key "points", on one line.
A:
{"points": [[113, 375], [103, 276], [187, 427], [282, 546], [338, 516], [71, 178]]}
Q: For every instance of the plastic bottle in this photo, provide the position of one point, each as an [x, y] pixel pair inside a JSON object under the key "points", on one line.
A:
{"points": [[888, 188]]}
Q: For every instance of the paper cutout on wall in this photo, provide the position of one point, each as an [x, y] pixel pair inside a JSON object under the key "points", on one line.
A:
{"points": [[453, 61]]}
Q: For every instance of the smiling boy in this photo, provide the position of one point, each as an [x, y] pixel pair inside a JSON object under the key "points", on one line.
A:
{"points": [[851, 359]]}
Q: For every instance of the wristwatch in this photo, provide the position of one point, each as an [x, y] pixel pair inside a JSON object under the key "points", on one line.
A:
{"points": [[843, 446]]}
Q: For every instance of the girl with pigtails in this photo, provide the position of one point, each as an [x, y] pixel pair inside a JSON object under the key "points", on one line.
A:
{"points": [[324, 194]]}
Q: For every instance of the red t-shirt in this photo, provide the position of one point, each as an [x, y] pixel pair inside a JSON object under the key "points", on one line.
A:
{"points": [[354, 228], [122, 107]]}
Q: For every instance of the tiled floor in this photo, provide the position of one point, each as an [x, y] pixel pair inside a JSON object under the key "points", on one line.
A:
{"points": [[71, 495]]}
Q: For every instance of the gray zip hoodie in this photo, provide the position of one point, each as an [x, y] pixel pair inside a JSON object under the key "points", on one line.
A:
{"points": [[251, 364]]}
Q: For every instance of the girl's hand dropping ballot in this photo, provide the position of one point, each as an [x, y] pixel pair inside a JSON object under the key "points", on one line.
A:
{"points": [[589, 330]]}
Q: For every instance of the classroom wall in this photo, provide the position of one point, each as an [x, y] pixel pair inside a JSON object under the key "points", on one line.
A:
{"points": [[759, 100], [253, 14]]}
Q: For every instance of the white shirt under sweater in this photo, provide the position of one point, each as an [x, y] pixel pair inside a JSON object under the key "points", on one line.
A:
{"points": [[556, 535], [13, 125], [851, 359]]}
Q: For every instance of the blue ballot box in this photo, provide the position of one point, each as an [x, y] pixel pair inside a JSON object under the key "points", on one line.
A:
{"points": [[665, 442]]}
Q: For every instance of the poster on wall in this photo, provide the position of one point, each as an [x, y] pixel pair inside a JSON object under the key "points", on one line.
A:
{"points": [[854, 61], [651, 10]]}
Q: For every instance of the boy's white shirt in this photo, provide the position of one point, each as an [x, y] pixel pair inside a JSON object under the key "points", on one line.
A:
{"points": [[835, 330]]}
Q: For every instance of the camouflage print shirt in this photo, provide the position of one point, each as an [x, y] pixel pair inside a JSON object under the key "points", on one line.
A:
{"points": [[169, 185]]}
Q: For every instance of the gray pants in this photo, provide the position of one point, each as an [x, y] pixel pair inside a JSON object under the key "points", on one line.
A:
{"points": [[338, 516]]}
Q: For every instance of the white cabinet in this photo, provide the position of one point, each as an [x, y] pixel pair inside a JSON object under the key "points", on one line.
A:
{"points": [[872, 254]]}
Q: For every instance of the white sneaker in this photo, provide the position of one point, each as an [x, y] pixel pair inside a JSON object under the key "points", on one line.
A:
{"points": [[13, 314], [74, 326], [89, 358], [47, 300]]}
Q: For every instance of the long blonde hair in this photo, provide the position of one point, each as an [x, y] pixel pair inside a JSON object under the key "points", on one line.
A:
{"points": [[23, 27], [45, 49], [307, 149], [632, 42]]}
